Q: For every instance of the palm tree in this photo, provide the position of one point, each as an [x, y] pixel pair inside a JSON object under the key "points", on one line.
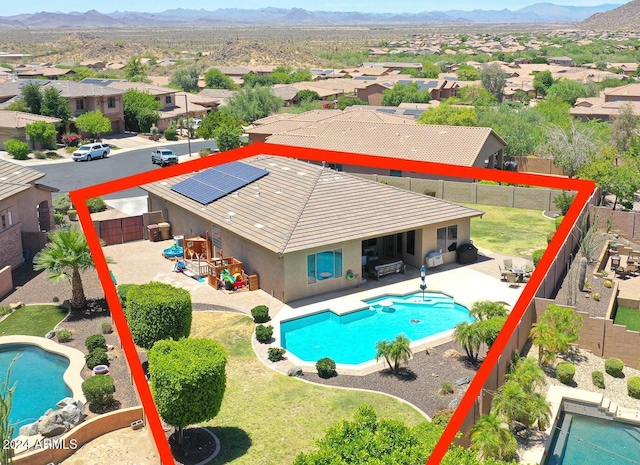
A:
{"points": [[469, 336], [528, 374], [538, 411], [395, 352], [382, 351], [491, 438], [486, 309], [65, 257], [542, 337], [510, 402]]}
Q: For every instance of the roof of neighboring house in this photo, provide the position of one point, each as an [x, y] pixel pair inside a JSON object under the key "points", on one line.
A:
{"points": [[285, 91], [232, 70], [630, 90], [455, 145], [299, 205], [608, 109], [141, 87], [71, 89], [18, 119], [15, 178]]}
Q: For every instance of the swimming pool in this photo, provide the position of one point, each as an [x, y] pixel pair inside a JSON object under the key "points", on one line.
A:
{"points": [[351, 338], [38, 375], [581, 439]]}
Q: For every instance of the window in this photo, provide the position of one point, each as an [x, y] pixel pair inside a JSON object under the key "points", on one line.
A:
{"points": [[111, 102], [447, 238], [79, 104], [167, 99], [324, 265], [396, 173], [6, 219], [411, 242], [335, 166], [370, 242]]}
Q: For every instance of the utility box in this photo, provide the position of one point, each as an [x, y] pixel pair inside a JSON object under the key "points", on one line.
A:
{"points": [[153, 232], [253, 282]]}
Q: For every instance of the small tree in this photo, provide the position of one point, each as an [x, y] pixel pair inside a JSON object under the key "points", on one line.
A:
{"points": [[187, 78], [470, 337], [157, 311], [492, 439], [571, 148], [135, 71], [188, 380], [344, 102], [141, 110], [306, 95], [493, 78], [395, 353], [93, 122], [542, 81], [486, 309], [56, 106], [555, 332], [32, 96], [252, 103], [227, 137], [17, 149], [216, 79], [43, 133]]}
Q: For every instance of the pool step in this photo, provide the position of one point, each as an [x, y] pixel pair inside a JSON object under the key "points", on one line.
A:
{"points": [[613, 408], [604, 405]]}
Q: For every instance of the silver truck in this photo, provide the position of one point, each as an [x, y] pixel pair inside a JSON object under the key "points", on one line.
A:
{"points": [[163, 157]]}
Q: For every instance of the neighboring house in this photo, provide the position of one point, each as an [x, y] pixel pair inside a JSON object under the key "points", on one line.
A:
{"points": [[13, 124], [607, 107], [561, 61], [439, 89], [213, 98], [26, 213], [44, 73], [234, 72], [375, 133], [628, 93], [301, 227], [393, 65], [286, 92]]}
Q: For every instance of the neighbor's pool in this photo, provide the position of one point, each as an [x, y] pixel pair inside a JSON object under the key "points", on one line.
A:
{"points": [[39, 383], [351, 338], [581, 439]]}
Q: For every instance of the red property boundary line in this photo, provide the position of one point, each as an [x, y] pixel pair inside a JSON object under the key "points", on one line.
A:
{"points": [[79, 197]]}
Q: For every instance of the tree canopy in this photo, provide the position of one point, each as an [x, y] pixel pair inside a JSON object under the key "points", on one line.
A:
{"points": [[56, 106], [400, 93], [216, 79], [141, 110], [93, 122], [186, 78], [449, 115], [493, 77], [135, 71], [252, 103]]}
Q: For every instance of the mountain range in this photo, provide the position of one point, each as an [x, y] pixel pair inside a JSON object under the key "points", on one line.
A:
{"points": [[625, 17], [180, 17]]}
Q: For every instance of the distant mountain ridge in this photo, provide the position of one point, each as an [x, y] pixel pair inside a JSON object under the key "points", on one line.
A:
{"points": [[625, 17], [537, 13]]}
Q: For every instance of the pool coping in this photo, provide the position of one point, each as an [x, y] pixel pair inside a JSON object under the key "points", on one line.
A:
{"points": [[556, 396], [352, 303], [71, 376]]}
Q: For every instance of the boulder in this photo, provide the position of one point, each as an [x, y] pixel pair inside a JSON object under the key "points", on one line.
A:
{"points": [[462, 381], [16, 306], [454, 403], [53, 425], [50, 335], [71, 414], [63, 402], [29, 430]]}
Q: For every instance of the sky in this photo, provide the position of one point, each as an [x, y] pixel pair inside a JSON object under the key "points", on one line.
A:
{"points": [[10, 8]]}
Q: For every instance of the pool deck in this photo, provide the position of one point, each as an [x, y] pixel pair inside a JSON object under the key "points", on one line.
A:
{"points": [[556, 395], [465, 284]]}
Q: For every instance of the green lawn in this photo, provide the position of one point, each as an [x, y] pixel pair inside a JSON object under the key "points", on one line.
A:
{"points": [[510, 231], [32, 320], [267, 417], [629, 317]]}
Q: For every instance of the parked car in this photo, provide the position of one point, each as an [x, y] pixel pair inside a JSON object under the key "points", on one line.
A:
{"points": [[88, 152], [163, 157]]}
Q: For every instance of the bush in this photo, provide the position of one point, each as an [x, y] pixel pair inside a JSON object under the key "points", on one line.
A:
{"points": [[51, 154], [106, 327], [71, 140], [565, 372], [39, 155], [326, 367], [17, 149], [123, 290], [537, 255], [64, 335], [98, 390], [170, 134], [58, 218], [73, 214], [558, 220], [95, 341], [598, 379], [563, 201], [260, 314], [205, 151], [446, 388], [442, 417], [550, 237], [633, 387], [5, 310], [96, 204], [56, 298], [264, 333], [97, 357], [614, 367], [62, 203], [276, 354]]}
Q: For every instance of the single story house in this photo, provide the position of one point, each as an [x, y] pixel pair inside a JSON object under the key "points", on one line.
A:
{"points": [[13, 124], [307, 229]]}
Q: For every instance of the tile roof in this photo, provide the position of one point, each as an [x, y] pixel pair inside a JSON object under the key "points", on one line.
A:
{"points": [[15, 179], [299, 205], [70, 89], [18, 119], [141, 87]]}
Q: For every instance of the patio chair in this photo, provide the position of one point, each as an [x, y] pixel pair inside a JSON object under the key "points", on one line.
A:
{"points": [[631, 269], [508, 263], [503, 273], [513, 279], [620, 272]]}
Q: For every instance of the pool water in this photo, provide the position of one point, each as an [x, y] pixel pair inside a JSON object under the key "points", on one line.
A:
{"points": [[37, 375], [583, 440], [351, 338]]}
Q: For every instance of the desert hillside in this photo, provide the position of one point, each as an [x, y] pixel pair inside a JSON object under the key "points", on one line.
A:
{"points": [[625, 17]]}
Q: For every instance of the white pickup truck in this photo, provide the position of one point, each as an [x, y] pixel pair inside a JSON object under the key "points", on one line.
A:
{"points": [[163, 157]]}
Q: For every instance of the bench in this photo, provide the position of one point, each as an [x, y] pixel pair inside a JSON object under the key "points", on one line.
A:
{"points": [[388, 268]]}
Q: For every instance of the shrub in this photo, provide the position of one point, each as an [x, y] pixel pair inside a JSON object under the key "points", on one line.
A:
{"points": [[5, 310], [565, 372], [442, 417], [73, 214], [326, 367], [563, 201], [294, 371], [58, 218], [97, 357], [598, 379], [56, 298], [123, 290], [260, 314], [96, 204], [17, 149], [558, 220], [98, 390], [633, 387], [39, 155], [95, 341], [205, 151], [71, 140], [446, 388], [51, 154], [106, 327], [170, 134], [264, 333], [157, 311], [550, 237], [62, 203], [64, 335], [537, 255], [276, 354], [614, 367]]}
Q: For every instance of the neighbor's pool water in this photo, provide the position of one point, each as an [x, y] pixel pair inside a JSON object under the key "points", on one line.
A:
{"points": [[351, 338], [37, 375], [581, 439]]}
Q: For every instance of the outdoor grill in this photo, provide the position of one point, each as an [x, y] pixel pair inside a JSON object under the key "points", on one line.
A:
{"points": [[466, 253]]}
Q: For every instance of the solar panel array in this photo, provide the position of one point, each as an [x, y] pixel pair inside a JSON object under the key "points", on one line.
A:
{"points": [[214, 183]]}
